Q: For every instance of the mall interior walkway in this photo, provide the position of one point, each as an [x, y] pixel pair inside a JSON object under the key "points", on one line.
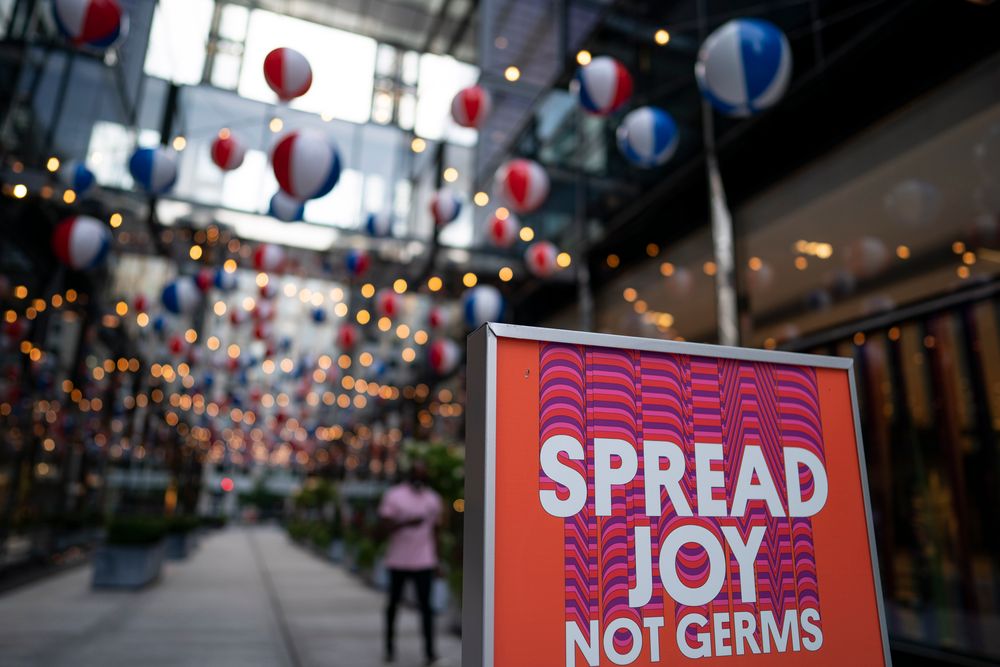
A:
{"points": [[246, 597]]}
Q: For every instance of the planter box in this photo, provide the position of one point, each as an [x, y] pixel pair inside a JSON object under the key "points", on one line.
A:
{"points": [[179, 545], [119, 566]]}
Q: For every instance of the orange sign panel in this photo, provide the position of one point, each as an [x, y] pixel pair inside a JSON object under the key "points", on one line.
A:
{"points": [[639, 502]]}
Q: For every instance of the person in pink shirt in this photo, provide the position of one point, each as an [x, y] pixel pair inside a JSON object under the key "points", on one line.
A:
{"points": [[410, 513]]}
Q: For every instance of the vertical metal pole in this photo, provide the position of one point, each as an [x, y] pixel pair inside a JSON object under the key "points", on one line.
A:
{"points": [[584, 294], [60, 102], [727, 305], [585, 297]]}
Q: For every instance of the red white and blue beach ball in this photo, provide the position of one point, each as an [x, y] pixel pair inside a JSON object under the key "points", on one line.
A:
{"points": [[154, 169], [228, 151], [444, 355], [378, 224], [268, 257], [744, 66], [357, 262], [445, 206], [647, 137], [77, 176], [541, 258], [603, 85], [523, 184], [306, 164], [225, 280], [181, 296], [482, 304], [285, 208], [471, 106], [81, 242], [503, 232], [288, 73], [93, 22]]}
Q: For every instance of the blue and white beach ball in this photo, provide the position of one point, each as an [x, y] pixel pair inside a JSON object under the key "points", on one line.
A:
{"points": [[81, 242], [647, 137], [306, 164], [285, 208], [603, 85], [378, 224], [154, 169], [318, 315], [181, 295], [76, 176], [744, 66], [482, 304]]}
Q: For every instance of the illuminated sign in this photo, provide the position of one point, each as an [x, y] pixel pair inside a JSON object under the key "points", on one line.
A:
{"points": [[643, 502]]}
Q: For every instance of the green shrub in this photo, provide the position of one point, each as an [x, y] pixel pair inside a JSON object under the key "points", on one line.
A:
{"points": [[182, 524], [213, 521], [127, 531]]}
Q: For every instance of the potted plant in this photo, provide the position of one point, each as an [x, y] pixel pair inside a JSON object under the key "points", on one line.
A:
{"points": [[132, 554], [180, 536]]}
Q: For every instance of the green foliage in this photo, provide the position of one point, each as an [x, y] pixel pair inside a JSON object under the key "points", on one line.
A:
{"points": [[214, 521], [262, 499], [135, 531], [315, 494], [367, 553], [182, 524]]}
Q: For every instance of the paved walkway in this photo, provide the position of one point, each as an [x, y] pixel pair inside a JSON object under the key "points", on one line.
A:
{"points": [[246, 597]]}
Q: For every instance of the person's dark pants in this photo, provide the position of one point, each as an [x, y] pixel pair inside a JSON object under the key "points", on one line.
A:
{"points": [[422, 579]]}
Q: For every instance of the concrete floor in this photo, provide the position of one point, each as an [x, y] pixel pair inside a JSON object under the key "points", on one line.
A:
{"points": [[246, 597]]}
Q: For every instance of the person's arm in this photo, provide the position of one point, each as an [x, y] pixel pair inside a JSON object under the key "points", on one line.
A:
{"points": [[391, 519]]}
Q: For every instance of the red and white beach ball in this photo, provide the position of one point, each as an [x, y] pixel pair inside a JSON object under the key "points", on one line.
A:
{"points": [[237, 316], [603, 85], [471, 106], [81, 242], [176, 344], [444, 355], [288, 73], [388, 303], [205, 279], [306, 164], [439, 317], [261, 330], [263, 311], [524, 184], [503, 232], [347, 337], [541, 259], [140, 303], [445, 206], [268, 257], [269, 290], [357, 262], [93, 22], [228, 151]]}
